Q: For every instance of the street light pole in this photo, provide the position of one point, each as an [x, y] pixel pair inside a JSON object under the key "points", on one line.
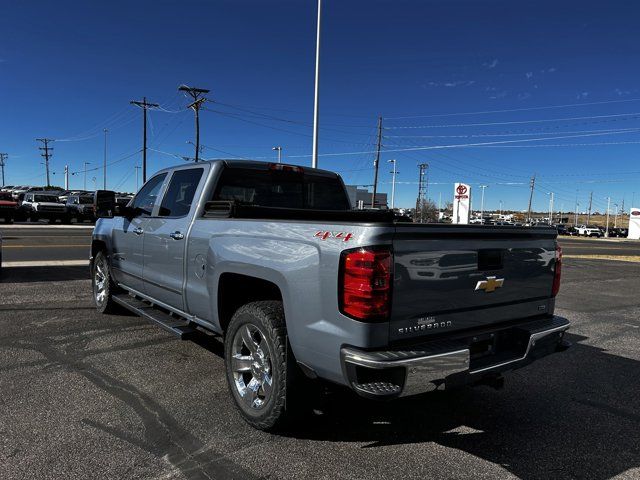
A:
{"points": [[279, 150], [615, 217], [104, 162], [394, 172], [316, 98], [606, 230], [550, 208], [482, 205], [85, 175], [136, 169]]}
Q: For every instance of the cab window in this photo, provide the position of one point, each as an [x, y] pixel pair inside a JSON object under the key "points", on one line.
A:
{"points": [[182, 188], [145, 199]]}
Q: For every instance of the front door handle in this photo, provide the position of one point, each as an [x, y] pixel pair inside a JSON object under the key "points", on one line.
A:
{"points": [[138, 231], [177, 235]]}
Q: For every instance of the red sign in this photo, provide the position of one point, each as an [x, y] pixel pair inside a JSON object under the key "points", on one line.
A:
{"points": [[461, 189]]}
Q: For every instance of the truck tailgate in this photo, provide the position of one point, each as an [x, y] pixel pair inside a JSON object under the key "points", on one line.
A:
{"points": [[454, 277]]}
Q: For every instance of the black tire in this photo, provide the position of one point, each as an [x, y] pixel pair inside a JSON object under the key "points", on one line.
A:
{"points": [[100, 268], [266, 320], [34, 218]]}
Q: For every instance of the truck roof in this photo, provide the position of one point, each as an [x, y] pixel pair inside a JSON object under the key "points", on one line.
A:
{"points": [[260, 165]]}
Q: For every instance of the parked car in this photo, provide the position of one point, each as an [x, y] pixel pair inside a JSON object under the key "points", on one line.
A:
{"points": [[617, 232], [37, 205], [272, 258], [81, 208], [8, 207], [589, 231]]}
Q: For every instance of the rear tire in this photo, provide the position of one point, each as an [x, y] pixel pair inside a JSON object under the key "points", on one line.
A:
{"points": [[102, 284], [259, 371]]}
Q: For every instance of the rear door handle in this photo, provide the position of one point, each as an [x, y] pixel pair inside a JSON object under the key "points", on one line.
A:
{"points": [[138, 231], [177, 235]]}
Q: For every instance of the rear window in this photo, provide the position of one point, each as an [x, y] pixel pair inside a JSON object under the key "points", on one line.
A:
{"points": [[268, 188], [45, 198]]}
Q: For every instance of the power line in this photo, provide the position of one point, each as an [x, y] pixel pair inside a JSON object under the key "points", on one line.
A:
{"points": [[527, 109], [475, 135], [516, 122]]}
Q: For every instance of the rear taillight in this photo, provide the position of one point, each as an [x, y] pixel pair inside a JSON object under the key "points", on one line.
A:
{"points": [[557, 271], [365, 283]]}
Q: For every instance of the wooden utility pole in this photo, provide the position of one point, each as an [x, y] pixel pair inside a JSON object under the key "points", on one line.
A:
{"points": [[532, 184], [376, 164], [198, 99], [145, 106], [590, 204], [3, 158], [46, 154]]}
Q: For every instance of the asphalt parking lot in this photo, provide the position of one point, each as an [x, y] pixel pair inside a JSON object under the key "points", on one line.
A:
{"points": [[93, 396]]}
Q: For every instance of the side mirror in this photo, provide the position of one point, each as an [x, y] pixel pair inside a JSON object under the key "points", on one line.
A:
{"points": [[104, 203]]}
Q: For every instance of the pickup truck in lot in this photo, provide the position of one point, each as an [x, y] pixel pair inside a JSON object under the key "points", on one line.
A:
{"points": [[37, 205], [272, 258]]}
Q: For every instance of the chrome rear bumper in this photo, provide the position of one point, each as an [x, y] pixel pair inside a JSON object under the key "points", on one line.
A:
{"points": [[395, 373]]}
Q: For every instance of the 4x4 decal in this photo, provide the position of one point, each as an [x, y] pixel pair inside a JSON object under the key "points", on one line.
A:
{"points": [[344, 236]]}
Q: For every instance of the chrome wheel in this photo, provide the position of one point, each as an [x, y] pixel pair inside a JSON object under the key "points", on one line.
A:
{"points": [[251, 366], [100, 281]]}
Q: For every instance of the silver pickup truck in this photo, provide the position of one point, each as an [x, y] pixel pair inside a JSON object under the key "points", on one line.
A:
{"points": [[272, 258]]}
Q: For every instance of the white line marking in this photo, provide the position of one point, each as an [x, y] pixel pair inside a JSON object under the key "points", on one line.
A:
{"points": [[46, 263]]}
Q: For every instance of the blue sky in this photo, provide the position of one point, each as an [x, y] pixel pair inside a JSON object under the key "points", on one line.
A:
{"points": [[69, 69]]}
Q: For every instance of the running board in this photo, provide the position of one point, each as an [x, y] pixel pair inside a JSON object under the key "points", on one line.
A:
{"points": [[180, 328]]}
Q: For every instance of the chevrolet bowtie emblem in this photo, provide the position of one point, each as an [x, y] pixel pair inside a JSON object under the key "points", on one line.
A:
{"points": [[490, 284]]}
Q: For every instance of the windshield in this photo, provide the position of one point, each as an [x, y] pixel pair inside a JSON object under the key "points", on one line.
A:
{"points": [[282, 189], [45, 198], [85, 200]]}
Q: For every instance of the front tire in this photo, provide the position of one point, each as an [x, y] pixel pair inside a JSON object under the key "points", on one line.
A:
{"points": [[103, 285], [255, 351]]}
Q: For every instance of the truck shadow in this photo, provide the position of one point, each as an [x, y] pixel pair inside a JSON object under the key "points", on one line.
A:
{"points": [[575, 415], [44, 274]]}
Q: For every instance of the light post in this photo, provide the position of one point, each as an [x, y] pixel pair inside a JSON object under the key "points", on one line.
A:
{"points": [[394, 172], [279, 150], [85, 175], [550, 207], [136, 169], [606, 230], [104, 162], [95, 184], [482, 205], [316, 97], [615, 216]]}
